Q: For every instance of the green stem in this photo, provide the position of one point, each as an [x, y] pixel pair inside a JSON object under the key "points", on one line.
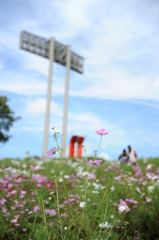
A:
{"points": [[43, 214], [68, 201], [86, 179], [103, 220], [98, 209], [98, 148], [58, 209]]}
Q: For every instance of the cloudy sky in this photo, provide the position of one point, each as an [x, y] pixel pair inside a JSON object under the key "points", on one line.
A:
{"points": [[118, 91]]}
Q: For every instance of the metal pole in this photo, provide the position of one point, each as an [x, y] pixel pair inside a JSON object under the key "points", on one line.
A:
{"points": [[68, 62], [47, 116]]}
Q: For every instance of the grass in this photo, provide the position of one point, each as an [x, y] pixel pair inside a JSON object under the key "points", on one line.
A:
{"points": [[70, 199], [43, 184]]}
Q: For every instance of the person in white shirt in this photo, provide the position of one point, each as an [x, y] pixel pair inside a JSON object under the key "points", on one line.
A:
{"points": [[132, 156]]}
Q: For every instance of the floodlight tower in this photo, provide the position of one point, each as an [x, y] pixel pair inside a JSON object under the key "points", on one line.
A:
{"points": [[62, 54]]}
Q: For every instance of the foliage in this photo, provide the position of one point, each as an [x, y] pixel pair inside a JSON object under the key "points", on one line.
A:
{"points": [[34, 185], [6, 119]]}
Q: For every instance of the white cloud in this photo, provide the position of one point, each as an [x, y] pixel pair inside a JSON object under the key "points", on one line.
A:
{"points": [[38, 107], [147, 103], [116, 84], [104, 155], [28, 86]]}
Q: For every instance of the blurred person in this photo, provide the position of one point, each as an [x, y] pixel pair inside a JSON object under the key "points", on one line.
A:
{"points": [[132, 156], [124, 158]]}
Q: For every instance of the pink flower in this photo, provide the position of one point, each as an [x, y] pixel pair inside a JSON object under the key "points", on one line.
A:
{"points": [[13, 221], [13, 192], [123, 202], [23, 192], [136, 237], [21, 196], [32, 166], [30, 212], [130, 200], [4, 210], [52, 212], [36, 208], [94, 163], [2, 201], [101, 132], [148, 199], [24, 229], [77, 195], [52, 151], [63, 214]]}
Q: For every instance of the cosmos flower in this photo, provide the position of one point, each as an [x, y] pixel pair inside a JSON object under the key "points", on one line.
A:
{"points": [[102, 132], [52, 151], [82, 204], [94, 163], [105, 225]]}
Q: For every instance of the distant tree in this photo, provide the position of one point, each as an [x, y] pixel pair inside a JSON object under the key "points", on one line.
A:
{"points": [[6, 119]]}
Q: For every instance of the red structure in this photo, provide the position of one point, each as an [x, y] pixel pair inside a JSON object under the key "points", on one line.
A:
{"points": [[79, 141]]}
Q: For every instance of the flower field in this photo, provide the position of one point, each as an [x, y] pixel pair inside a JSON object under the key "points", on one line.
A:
{"points": [[78, 199], [38, 200]]}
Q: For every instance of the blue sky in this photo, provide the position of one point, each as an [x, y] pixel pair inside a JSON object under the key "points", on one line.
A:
{"points": [[119, 90]]}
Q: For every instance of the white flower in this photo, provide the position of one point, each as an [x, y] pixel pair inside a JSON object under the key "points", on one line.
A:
{"points": [[105, 225], [65, 228], [148, 175], [51, 192], [60, 179], [149, 166], [66, 177], [151, 188], [112, 188], [82, 204], [138, 190], [121, 208], [112, 216], [154, 177], [86, 174], [144, 183], [49, 198], [148, 199], [157, 182], [95, 192]]}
